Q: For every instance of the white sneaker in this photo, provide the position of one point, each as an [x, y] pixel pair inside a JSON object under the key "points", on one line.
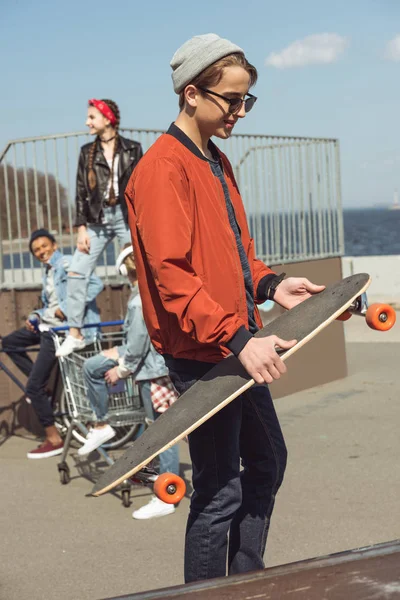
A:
{"points": [[69, 345], [155, 508], [95, 438]]}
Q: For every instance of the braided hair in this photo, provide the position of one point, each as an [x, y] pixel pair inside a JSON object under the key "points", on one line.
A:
{"points": [[92, 181]]}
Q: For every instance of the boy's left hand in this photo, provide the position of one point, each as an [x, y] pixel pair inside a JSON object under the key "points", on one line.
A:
{"points": [[111, 376], [294, 290]]}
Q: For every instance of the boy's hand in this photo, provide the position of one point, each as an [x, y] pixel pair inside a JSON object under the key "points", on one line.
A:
{"points": [[293, 290], [111, 376], [260, 359]]}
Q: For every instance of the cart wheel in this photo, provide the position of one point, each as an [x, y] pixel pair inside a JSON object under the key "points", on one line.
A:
{"points": [[64, 476], [380, 317], [126, 493], [344, 316], [169, 488], [126, 498], [63, 470]]}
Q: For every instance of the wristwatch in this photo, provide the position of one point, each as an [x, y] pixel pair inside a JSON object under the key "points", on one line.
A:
{"points": [[274, 285]]}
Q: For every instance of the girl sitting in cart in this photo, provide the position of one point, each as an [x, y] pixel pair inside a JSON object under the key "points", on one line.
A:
{"points": [[139, 359]]}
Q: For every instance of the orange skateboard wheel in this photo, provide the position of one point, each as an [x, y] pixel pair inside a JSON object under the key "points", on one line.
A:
{"points": [[344, 316], [169, 488], [381, 317]]}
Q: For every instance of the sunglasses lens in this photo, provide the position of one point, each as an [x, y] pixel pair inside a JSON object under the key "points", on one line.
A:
{"points": [[249, 103], [235, 105]]}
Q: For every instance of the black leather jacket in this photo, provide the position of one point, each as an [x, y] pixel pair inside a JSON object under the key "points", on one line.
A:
{"points": [[89, 204]]}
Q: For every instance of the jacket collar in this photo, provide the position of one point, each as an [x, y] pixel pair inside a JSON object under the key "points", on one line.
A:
{"points": [[179, 135], [125, 146], [54, 258], [134, 294], [134, 290]]}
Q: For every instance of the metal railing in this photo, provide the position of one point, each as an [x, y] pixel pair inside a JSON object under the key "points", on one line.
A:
{"points": [[290, 187]]}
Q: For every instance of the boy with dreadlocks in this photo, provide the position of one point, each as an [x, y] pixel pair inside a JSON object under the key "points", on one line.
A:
{"points": [[104, 169]]}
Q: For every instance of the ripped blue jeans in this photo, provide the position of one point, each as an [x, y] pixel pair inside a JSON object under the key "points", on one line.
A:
{"points": [[83, 265]]}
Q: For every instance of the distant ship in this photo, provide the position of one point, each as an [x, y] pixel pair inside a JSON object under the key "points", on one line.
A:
{"points": [[396, 203]]}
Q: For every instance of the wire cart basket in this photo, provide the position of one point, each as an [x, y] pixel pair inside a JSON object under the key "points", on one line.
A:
{"points": [[125, 412]]}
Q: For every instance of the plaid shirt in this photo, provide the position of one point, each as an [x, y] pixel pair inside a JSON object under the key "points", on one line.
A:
{"points": [[163, 393]]}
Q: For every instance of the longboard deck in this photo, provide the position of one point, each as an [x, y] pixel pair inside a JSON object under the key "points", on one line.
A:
{"points": [[228, 379]]}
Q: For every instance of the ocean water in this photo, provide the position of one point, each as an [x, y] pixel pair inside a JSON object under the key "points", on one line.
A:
{"points": [[371, 231]]}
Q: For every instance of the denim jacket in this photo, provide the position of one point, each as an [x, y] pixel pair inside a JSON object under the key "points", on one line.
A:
{"points": [[60, 264], [138, 357]]}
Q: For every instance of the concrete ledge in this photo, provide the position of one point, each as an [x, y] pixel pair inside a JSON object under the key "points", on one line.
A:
{"points": [[370, 572]]}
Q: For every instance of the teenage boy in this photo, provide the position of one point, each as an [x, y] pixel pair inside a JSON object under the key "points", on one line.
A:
{"points": [[43, 246], [200, 283]]}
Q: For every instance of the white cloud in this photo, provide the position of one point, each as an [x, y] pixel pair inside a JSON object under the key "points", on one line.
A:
{"points": [[317, 49], [392, 50]]}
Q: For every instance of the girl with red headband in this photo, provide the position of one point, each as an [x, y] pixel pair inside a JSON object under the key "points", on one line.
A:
{"points": [[104, 169]]}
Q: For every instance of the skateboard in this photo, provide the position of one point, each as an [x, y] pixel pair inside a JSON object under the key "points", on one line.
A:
{"points": [[228, 379]]}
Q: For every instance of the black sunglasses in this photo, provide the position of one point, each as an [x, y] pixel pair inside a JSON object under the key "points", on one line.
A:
{"points": [[235, 104]]}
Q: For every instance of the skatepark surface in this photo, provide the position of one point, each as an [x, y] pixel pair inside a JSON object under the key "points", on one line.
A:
{"points": [[340, 492]]}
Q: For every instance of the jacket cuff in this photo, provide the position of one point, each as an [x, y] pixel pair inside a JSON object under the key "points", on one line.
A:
{"points": [[263, 287], [122, 370], [239, 340], [36, 314], [80, 221]]}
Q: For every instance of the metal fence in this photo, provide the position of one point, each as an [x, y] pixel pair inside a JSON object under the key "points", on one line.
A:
{"points": [[290, 187]]}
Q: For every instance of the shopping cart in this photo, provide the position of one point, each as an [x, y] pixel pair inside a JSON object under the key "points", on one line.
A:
{"points": [[61, 405], [125, 414]]}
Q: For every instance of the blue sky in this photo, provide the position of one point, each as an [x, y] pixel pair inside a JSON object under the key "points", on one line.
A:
{"points": [[56, 55]]}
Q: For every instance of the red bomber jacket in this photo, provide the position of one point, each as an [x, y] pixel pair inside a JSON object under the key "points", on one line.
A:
{"points": [[190, 276]]}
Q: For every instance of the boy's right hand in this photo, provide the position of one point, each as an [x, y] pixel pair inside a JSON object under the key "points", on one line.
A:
{"points": [[29, 326], [260, 359], [83, 241]]}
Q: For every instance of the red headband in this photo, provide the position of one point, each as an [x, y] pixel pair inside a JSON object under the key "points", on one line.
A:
{"points": [[104, 109]]}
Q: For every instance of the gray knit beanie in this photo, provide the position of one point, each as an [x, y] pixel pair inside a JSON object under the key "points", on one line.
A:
{"points": [[197, 54]]}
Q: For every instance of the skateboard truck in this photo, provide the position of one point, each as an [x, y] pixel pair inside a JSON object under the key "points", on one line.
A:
{"points": [[168, 487], [380, 317]]}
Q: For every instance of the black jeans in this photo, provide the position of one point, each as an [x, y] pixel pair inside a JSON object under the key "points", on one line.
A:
{"points": [[227, 500], [38, 372]]}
